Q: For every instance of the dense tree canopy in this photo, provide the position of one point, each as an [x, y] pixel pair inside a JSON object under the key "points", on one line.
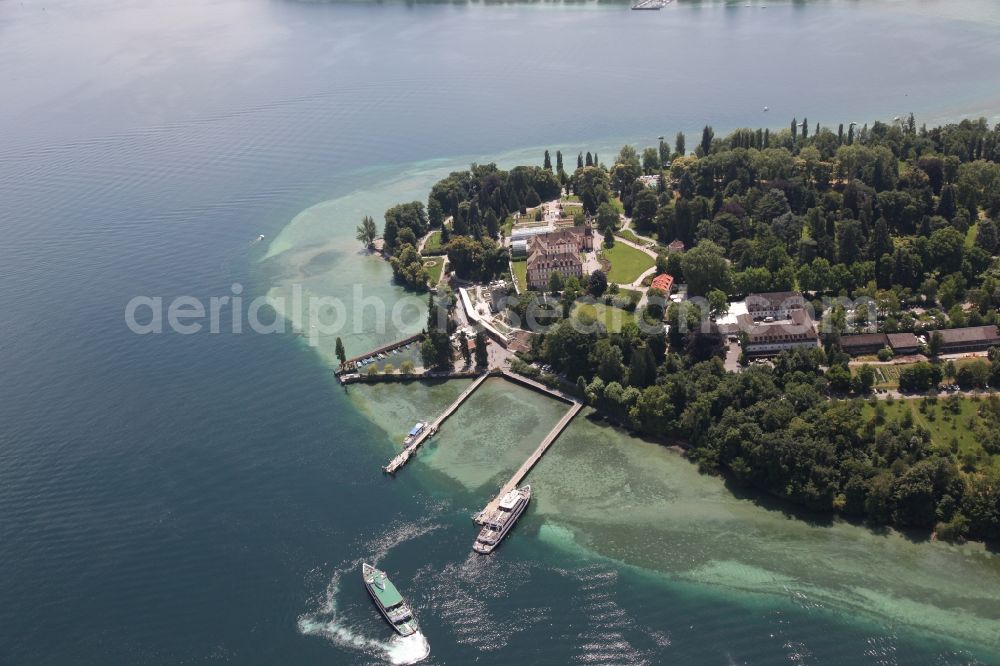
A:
{"points": [[408, 268], [404, 217], [902, 215], [488, 188], [705, 269], [476, 259], [591, 184]]}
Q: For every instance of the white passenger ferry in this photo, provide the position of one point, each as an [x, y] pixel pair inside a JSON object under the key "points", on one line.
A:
{"points": [[512, 505]]}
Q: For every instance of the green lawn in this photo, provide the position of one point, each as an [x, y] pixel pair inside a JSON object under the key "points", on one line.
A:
{"points": [[943, 425], [613, 318], [627, 263], [628, 234], [521, 273], [634, 294], [570, 198], [433, 244], [507, 226], [434, 267], [970, 235]]}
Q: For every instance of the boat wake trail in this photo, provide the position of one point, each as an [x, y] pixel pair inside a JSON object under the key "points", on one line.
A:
{"points": [[464, 593], [408, 649], [606, 640], [329, 621], [326, 623], [226, 266]]}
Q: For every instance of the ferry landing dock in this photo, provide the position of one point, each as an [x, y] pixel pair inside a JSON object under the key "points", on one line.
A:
{"points": [[404, 456]]}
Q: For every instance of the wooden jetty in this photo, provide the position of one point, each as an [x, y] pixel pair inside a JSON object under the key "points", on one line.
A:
{"points": [[351, 363], [420, 374], [538, 386], [405, 455], [532, 459]]}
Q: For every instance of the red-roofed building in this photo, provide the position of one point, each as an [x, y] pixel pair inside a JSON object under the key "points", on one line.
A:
{"points": [[663, 282]]}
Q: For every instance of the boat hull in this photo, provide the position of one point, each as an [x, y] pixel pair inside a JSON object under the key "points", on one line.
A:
{"points": [[484, 545], [417, 431], [406, 628]]}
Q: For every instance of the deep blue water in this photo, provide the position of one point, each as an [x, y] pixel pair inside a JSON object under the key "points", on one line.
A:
{"points": [[172, 499]]}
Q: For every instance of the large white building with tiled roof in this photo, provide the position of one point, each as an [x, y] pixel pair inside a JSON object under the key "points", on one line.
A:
{"points": [[770, 339], [776, 304], [557, 252]]}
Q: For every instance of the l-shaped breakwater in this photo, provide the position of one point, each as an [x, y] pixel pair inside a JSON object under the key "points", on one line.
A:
{"points": [[432, 428]]}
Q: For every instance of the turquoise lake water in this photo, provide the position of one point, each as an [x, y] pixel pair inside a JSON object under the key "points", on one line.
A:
{"points": [[208, 498]]}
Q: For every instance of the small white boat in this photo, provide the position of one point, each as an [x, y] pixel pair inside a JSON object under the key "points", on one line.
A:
{"points": [[414, 433]]}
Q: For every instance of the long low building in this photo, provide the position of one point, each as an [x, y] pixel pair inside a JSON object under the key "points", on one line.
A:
{"points": [[969, 339], [476, 318], [865, 343], [901, 344], [527, 232], [953, 341]]}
